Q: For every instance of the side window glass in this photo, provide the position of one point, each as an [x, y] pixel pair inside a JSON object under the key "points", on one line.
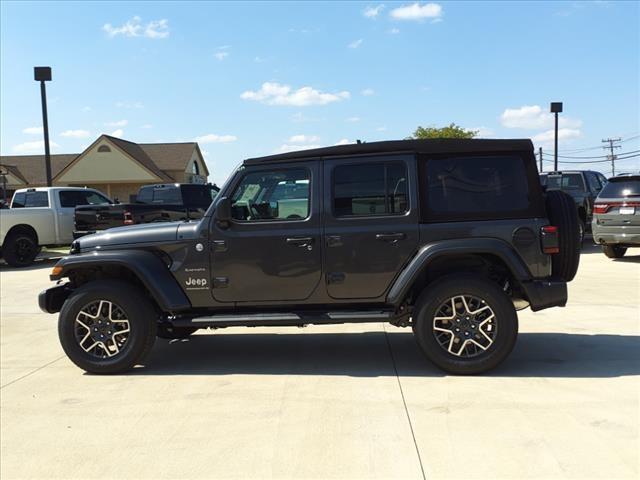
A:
{"points": [[145, 195], [370, 189], [36, 199], [594, 182], [274, 195]]}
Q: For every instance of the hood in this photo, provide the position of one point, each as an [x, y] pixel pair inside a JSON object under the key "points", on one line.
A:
{"points": [[134, 234]]}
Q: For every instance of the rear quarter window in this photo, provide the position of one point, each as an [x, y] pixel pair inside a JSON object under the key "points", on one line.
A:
{"points": [[479, 187]]}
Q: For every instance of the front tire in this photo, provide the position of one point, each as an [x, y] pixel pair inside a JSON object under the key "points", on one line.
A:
{"points": [[107, 326], [465, 324], [614, 251]]}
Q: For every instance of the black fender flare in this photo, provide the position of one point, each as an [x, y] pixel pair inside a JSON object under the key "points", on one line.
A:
{"points": [[434, 250], [146, 266]]}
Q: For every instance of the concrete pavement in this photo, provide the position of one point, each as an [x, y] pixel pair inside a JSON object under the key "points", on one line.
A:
{"points": [[352, 401]]}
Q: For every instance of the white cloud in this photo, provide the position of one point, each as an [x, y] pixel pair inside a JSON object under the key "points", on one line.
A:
{"points": [[134, 27], [33, 130], [394, 31], [76, 133], [221, 55], [272, 93], [417, 11], [129, 105], [548, 136], [304, 139], [259, 59], [117, 133], [373, 12], [86, 109], [352, 119], [367, 92], [33, 147], [483, 132], [344, 141], [147, 126], [355, 43], [534, 117], [214, 138], [119, 123], [284, 148], [381, 129]]}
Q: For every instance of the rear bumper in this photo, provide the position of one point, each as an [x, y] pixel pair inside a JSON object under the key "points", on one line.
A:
{"points": [[545, 294], [618, 235], [52, 299]]}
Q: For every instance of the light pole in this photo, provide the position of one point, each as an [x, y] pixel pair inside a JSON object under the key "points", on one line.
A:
{"points": [[43, 74], [556, 108]]}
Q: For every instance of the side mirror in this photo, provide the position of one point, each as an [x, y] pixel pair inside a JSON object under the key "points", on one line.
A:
{"points": [[223, 212]]}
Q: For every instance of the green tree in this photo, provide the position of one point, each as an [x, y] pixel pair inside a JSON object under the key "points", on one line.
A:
{"points": [[450, 131]]}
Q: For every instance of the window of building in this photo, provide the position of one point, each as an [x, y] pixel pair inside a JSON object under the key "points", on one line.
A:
{"points": [[476, 187], [370, 189], [73, 198], [195, 168], [274, 195], [104, 148]]}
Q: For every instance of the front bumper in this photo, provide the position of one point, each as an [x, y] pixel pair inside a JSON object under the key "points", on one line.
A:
{"points": [[628, 235], [543, 294], [52, 299]]}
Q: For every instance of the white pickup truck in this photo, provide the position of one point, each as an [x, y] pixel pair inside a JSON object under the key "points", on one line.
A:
{"points": [[41, 217]]}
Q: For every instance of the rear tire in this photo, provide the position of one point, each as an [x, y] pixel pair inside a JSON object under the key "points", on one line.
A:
{"points": [[465, 337], [20, 249], [614, 251], [107, 326], [562, 212]]}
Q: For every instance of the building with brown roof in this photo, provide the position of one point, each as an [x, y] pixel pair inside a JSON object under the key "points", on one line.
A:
{"points": [[113, 165]]}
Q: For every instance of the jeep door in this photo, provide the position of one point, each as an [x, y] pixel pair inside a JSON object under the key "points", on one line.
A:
{"points": [[371, 223], [270, 251]]}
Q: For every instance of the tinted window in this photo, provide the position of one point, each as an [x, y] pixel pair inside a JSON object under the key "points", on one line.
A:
{"points": [[275, 195], [30, 200], [370, 189], [566, 181], [621, 188], [73, 198], [477, 186], [198, 195], [594, 182], [145, 195], [167, 195]]}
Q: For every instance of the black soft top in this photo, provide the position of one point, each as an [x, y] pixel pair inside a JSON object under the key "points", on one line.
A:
{"points": [[434, 146]]}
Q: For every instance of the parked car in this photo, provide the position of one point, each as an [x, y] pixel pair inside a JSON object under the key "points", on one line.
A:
{"points": [[616, 219], [41, 217], [154, 203], [583, 185], [446, 236]]}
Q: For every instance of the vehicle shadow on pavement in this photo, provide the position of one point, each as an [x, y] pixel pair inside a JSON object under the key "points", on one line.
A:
{"points": [[367, 355], [40, 264]]}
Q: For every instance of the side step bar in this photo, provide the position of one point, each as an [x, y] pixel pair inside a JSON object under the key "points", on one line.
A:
{"points": [[283, 319]]}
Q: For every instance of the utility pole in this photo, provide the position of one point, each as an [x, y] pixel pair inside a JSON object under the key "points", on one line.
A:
{"points": [[556, 108], [540, 153], [612, 156]]}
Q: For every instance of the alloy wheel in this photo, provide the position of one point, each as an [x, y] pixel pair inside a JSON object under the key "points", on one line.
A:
{"points": [[465, 326], [101, 329]]}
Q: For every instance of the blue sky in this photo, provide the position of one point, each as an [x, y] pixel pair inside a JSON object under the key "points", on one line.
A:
{"points": [[248, 79]]}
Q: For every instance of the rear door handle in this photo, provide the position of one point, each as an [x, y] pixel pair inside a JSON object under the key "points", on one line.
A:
{"points": [[390, 237], [300, 241]]}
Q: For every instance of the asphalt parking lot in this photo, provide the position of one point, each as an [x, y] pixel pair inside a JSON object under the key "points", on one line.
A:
{"points": [[331, 401]]}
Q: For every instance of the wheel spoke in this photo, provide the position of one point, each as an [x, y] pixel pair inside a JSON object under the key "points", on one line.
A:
{"points": [[104, 333]]}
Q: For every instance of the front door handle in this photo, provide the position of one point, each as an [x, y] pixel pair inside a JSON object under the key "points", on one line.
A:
{"points": [[390, 237], [300, 241]]}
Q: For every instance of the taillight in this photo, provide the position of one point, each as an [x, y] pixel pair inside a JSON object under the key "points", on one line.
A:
{"points": [[601, 208], [549, 239], [128, 218]]}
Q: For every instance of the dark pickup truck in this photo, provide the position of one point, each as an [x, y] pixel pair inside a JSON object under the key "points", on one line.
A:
{"points": [[154, 203]]}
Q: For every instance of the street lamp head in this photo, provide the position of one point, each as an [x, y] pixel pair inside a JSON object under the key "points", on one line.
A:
{"points": [[42, 74], [556, 107]]}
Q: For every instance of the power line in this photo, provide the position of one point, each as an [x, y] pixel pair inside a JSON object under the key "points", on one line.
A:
{"points": [[597, 156], [592, 161], [612, 147]]}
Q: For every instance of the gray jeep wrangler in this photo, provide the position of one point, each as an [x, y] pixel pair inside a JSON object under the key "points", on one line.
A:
{"points": [[449, 237]]}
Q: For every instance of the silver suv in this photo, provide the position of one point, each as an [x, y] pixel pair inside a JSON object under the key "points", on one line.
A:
{"points": [[616, 219]]}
